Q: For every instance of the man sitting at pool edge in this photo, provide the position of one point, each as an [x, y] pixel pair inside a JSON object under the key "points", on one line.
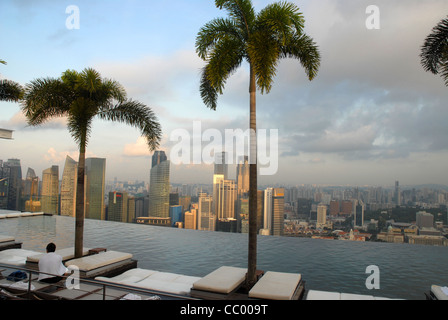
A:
{"points": [[51, 269]]}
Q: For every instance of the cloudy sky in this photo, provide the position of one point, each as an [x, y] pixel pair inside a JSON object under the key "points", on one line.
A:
{"points": [[372, 115]]}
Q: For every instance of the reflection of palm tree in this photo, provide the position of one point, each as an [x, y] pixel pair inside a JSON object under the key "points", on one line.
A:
{"points": [[261, 39], [434, 53], [81, 97]]}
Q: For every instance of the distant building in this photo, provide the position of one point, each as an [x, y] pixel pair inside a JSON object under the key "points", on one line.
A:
{"points": [[117, 209], [95, 173], [424, 219], [321, 215], [68, 187], [159, 186], [50, 190], [206, 218], [274, 209], [176, 215], [221, 166], [190, 219], [11, 185]]}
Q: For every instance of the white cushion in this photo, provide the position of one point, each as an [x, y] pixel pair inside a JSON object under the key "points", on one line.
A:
{"points": [[351, 296], [98, 260], [222, 280], [276, 286], [66, 254], [16, 257], [6, 238], [323, 295]]}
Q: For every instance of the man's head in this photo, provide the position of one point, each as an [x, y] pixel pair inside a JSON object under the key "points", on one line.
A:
{"points": [[51, 247]]}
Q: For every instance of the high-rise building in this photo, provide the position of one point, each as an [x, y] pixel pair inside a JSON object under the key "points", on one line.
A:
{"points": [[225, 197], [50, 190], [221, 166], [159, 186], [117, 209], [206, 219], [31, 192], [321, 215], [397, 194], [424, 219], [11, 184], [278, 211], [242, 175], [358, 210], [95, 175], [274, 210], [176, 215], [191, 219], [68, 187], [267, 216]]}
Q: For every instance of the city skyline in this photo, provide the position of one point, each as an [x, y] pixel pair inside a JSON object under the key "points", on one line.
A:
{"points": [[372, 115]]}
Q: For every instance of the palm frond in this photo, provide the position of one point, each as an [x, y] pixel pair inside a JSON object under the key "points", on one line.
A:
{"points": [[264, 53], [10, 91], [226, 57], [137, 115], [208, 93], [2, 61], [434, 51], [281, 19], [46, 98], [214, 32], [242, 11], [303, 48]]}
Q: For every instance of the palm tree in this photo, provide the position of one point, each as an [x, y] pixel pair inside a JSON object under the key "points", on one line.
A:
{"points": [[434, 53], [81, 97], [261, 40], [10, 90]]}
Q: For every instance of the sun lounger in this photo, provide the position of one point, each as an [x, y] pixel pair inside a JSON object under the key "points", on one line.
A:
{"points": [[107, 263], [8, 242], [220, 283], [278, 286], [16, 257], [323, 295], [32, 262], [154, 280]]}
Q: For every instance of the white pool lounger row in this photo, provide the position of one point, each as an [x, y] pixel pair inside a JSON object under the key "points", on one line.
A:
{"points": [[328, 295], [4, 214]]}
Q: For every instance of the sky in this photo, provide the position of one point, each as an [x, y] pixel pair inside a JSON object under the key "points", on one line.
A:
{"points": [[371, 116]]}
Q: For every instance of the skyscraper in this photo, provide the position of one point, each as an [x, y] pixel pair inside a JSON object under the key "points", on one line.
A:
{"points": [[159, 186], [118, 207], [226, 196], [221, 166], [94, 188], [242, 175], [274, 208], [278, 211], [68, 187], [50, 190], [321, 215], [12, 181], [31, 192], [206, 219]]}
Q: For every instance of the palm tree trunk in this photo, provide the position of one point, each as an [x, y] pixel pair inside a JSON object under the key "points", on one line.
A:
{"points": [[252, 250], [79, 220]]}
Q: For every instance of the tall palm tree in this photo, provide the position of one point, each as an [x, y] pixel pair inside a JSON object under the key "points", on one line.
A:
{"points": [[10, 90], [434, 53], [261, 40], [82, 97]]}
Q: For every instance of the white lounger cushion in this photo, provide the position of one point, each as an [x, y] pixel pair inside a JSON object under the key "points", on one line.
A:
{"points": [[222, 280], [16, 257], [6, 239], [323, 295], [66, 254], [129, 277], [276, 286], [154, 280], [351, 296], [98, 260]]}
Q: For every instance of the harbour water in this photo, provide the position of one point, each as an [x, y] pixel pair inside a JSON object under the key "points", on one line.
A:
{"points": [[405, 271]]}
